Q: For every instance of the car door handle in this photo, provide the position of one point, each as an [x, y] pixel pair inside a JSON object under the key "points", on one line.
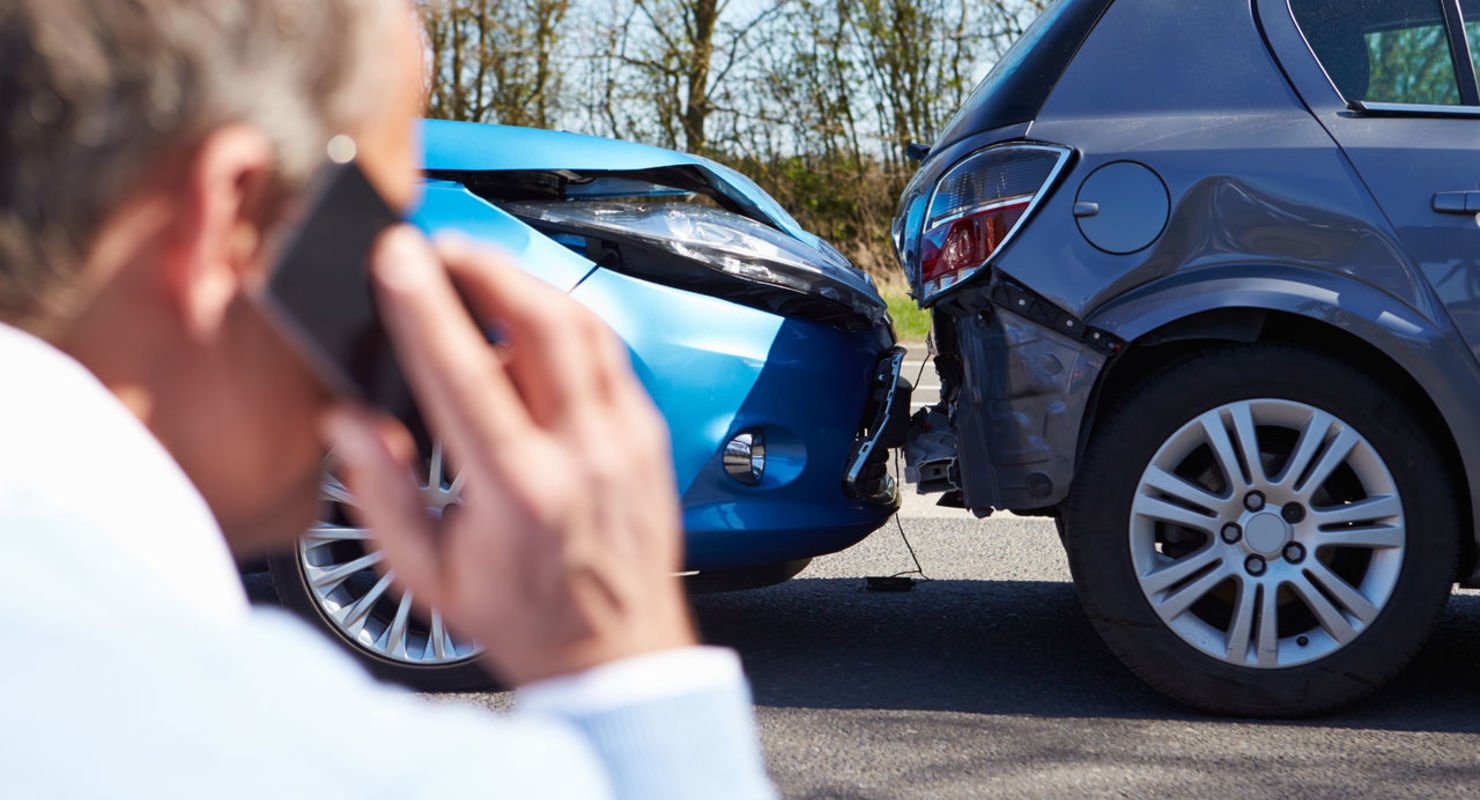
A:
{"points": [[1467, 202]]}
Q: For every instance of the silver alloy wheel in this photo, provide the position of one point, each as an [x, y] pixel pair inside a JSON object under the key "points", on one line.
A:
{"points": [[339, 566], [1267, 533]]}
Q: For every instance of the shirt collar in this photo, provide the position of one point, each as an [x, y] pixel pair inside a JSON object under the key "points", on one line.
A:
{"points": [[69, 444]]}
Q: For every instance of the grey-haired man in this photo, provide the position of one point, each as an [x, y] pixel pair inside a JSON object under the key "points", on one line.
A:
{"points": [[150, 419]]}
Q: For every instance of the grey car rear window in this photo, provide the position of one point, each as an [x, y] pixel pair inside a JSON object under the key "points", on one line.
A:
{"points": [[1382, 51]]}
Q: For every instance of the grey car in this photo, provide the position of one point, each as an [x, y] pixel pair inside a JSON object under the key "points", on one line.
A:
{"points": [[1206, 290]]}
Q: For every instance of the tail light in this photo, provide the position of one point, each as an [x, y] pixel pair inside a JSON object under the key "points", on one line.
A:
{"points": [[978, 206]]}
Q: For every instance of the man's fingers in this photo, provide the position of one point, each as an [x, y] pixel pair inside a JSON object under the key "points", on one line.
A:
{"points": [[553, 360], [387, 499], [457, 380]]}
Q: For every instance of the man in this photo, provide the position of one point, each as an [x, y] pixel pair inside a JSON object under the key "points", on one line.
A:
{"points": [[150, 417]]}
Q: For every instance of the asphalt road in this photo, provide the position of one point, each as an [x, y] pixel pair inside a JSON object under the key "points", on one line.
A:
{"points": [[987, 681]]}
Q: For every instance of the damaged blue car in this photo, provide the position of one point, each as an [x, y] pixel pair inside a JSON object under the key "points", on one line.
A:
{"points": [[770, 355]]}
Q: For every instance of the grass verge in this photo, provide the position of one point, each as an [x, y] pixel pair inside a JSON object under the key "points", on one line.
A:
{"points": [[911, 323]]}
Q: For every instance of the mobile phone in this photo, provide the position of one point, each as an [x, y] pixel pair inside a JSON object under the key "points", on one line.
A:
{"points": [[319, 293]]}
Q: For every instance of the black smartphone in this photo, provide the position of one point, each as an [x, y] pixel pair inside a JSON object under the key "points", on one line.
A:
{"points": [[319, 293]]}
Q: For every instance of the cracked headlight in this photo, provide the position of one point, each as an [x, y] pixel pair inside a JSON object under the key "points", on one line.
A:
{"points": [[716, 252]]}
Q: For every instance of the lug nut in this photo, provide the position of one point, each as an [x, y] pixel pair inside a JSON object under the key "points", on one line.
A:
{"points": [[1254, 501], [1232, 533], [1293, 512], [1294, 552], [1254, 565]]}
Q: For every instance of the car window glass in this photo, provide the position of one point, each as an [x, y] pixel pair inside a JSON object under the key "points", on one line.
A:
{"points": [[1471, 10], [1382, 51]]}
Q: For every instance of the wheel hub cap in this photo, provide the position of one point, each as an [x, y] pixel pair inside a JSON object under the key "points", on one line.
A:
{"points": [[1267, 533]]}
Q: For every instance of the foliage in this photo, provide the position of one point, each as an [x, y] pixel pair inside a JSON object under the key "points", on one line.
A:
{"points": [[911, 323], [815, 99]]}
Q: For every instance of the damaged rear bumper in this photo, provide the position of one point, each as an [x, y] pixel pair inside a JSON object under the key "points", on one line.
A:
{"points": [[1015, 389]]}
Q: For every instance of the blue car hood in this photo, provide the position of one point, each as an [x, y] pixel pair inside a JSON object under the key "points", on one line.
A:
{"points": [[475, 147]]}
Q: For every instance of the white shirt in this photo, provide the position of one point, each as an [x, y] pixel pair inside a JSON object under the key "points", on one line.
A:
{"points": [[132, 665]]}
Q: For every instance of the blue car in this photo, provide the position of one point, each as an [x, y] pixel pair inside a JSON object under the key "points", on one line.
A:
{"points": [[771, 356]]}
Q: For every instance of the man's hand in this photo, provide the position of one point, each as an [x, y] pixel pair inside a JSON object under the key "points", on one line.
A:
{"points": [[564, 551]]}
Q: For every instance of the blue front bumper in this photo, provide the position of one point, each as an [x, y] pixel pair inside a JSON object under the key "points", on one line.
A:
{"points": [[715, 369]]}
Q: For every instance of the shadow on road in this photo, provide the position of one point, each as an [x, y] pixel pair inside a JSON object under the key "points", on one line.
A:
{"points": [[1016, 647]]}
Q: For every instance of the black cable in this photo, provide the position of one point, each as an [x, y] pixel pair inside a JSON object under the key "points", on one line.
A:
{"points": [[918, 570]]}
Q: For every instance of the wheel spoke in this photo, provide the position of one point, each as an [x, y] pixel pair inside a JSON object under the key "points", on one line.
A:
{"points": [[335, 491], [324, 579], [1179, 601], [1341, 447], [1217, 435], [1167, 512], [1311, 437], [1181, 489], [1377, 508], [1247, 441], [1180, 570], [336, 533], [1352, 600], [353, 619], [1376, 537], [1269, 627], [434, 466], [437, 639], [1241, 629], [1326, 612], [396, 634]]}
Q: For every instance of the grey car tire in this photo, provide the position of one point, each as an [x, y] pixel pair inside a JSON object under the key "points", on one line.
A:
{"points": [[337, 579], [295, 595], [1186, 605]]}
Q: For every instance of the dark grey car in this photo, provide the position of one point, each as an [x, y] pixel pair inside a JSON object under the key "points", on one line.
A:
{"points": [[1206, 289]]}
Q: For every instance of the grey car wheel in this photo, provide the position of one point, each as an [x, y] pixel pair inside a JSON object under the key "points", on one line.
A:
{"points": [[1290, 566], [1262, 529], [337, 577]]}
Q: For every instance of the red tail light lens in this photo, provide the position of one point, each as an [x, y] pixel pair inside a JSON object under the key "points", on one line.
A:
{"points": [[980, 204]]}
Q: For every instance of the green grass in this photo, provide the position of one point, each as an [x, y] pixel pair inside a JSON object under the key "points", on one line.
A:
{"points": [[911, 323]]}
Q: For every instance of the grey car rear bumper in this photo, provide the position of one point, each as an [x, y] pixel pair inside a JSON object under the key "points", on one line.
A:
{"points": [[1015, 412]]}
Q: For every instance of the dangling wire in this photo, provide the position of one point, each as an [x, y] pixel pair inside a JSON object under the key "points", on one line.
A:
{"points": [[918, 570]]}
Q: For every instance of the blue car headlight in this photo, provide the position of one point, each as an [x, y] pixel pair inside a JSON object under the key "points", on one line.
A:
{"points": [[715, 252]]}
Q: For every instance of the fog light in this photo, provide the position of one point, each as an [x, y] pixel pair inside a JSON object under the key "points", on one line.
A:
{"points": [[745, 457]]}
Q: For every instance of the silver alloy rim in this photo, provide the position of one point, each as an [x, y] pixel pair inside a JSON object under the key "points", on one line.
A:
{"points": [[339, 566], [1267, 533]]}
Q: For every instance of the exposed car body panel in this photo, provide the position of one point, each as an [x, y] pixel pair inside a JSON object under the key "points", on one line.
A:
{"points": [[1018, 412]]}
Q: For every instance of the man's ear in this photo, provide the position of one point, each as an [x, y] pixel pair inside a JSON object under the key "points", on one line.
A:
{"points": [[215, 244]]}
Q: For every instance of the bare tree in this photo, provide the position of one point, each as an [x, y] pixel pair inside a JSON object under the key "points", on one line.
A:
{"points": [[813, 98], [495, 60], [679, 56]]}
